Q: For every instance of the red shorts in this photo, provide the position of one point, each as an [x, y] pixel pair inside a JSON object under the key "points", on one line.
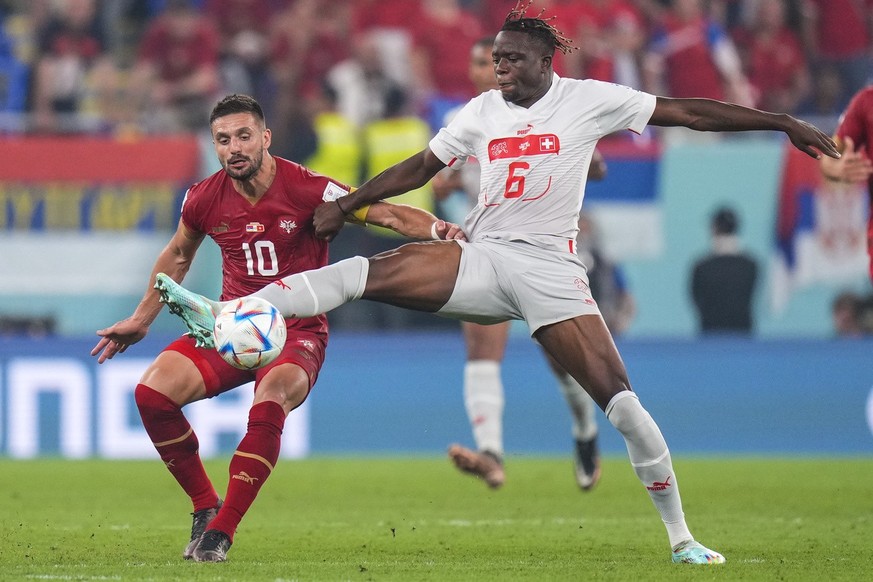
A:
{"points": [[302, 348]]}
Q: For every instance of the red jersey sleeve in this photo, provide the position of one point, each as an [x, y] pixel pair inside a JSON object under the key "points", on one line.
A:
{"points": [[857, 121]]}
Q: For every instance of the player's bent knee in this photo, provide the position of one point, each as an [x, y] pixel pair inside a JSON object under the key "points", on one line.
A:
{"points": [[287, 385]]}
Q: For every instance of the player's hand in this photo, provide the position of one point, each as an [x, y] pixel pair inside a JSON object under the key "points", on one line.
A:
{"points": [[854, 165], [811, 140], [448, 231], [328, 220], [115, 339]]}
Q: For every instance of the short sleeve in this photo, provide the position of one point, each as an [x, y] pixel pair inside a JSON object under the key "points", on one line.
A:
{"points": [[189, 214], [453, 143], [624, 108]]}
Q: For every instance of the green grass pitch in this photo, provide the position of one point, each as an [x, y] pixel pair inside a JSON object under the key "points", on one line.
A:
{"points": [[417, 519]]}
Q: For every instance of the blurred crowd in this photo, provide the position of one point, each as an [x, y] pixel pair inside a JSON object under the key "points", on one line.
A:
{"points": [[153, 66]]}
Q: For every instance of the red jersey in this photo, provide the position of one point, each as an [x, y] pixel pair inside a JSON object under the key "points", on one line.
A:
{"points": [[174, 56], [772, 63], [842, 27], [447, 45], [857, 123], [266, 241], [686, 47]]}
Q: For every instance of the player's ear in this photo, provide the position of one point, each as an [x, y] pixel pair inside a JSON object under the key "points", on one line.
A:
{"points": [[268, 138]]}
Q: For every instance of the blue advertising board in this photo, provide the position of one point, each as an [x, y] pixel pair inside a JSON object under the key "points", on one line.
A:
{"points": [[401, 393]]}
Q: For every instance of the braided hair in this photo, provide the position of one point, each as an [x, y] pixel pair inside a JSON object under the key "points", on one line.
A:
{"points": [[537, 27]]}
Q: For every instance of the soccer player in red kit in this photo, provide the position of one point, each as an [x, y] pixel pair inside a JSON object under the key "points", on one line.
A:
{"points": [[259, 210], [854, 139]]}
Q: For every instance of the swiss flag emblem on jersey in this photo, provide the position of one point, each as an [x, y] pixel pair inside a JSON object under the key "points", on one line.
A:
{"points": [[529, 145], [548, 143]]}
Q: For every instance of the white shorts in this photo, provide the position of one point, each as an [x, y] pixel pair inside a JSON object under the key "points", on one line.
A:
{"points": [[499, 280]]}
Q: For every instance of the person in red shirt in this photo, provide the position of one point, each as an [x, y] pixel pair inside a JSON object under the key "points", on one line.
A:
{"points": [[259, 210], [612, 35], [773, 58], [854, 139], [692, 56], [176, 72], [837, 35], [440, 43]]}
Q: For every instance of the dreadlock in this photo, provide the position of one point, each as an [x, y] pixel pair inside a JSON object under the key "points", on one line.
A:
{"points": [[537, 27]]}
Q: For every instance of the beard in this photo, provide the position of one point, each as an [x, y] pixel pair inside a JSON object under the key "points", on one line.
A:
{"points": [[243, 175]]}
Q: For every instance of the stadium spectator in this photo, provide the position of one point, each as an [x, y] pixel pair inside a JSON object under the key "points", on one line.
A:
{"points": [[838, 38], [690, 55], [72, 65], [440, 45], [390, 24], [519, 264], [457, 193], [724, 281], [772, 56], [396, 136], [360, 83], [278, 196], [244, 45], [854, 139], [339, 152], [305, 42], [176, 74], [612, 36]]}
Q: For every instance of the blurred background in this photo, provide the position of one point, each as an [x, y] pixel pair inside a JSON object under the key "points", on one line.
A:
{"points": [[103, 126]]}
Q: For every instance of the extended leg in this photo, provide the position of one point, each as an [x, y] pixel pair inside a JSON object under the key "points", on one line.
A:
{"points": [[584, 347], [419, 276]]}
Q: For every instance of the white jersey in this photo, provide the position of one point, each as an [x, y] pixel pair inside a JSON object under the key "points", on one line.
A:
{"points": [[534, 161]]}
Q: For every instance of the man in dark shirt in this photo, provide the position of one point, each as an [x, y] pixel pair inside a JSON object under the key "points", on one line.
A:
{"points": [[723, 281]]}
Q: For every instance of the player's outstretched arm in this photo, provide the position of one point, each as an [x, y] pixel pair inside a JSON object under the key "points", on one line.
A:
{"points": [[174, 260], [412, 222], [712, 115], [402, 177]]}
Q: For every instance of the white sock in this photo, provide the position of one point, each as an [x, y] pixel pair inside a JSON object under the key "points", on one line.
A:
{"points": [[650, 459], [581, 407], [483, 399], [320, 290]]}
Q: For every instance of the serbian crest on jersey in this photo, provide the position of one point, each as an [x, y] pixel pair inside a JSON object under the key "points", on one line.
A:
{"points": [[287, 225], [528, 145]]}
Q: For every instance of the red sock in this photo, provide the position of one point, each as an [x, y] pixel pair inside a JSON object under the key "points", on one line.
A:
{"points": [[176, 444], [251, 464]]}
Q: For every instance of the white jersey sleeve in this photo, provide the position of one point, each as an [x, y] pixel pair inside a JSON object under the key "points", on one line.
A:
{"points": [[455, 143], [621, 107]]}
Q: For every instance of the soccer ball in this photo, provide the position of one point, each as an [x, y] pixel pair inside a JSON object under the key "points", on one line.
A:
{"points": [[249, 333]]}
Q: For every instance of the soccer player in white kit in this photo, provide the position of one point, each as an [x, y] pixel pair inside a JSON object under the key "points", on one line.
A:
{"points": [[534, 139]]}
